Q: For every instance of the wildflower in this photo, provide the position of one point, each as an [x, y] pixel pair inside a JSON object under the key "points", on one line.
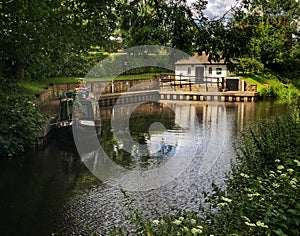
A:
{"points": [[196, 231], [293, 183], [247, 189], [294, 180], [193, 221], [250, 224], [280, 167], [261, 224], [199, 227], [177, 222], [283, 175], [181, 218], [246, 218], [244, 175], [272, 175], [277, 161], [272, 172], [275, 185], [225, 199], [297, 162], [290, 170], [185, 229], [251, 195], [155, 222], [222, 204]]}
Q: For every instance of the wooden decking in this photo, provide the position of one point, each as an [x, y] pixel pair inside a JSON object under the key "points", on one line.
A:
{"points": [[156, 95]]}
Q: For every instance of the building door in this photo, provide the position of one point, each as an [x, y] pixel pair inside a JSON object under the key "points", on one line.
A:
{"points": [[199, 74]]}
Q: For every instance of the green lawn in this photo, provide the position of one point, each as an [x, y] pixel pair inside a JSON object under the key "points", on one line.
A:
{"points": [[253, 79], [126, 77], [35, 87]]}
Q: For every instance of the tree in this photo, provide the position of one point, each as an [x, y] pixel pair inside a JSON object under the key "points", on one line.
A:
{"points": [[37, 37], [151, 22], [277, 31]]}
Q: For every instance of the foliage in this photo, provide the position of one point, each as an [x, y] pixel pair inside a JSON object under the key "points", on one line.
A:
{"points": [[249, 65], [276, 35], [156, 22], [40, 38], [275, 89], [262, 193], [269, 85], [37, 86], [20, 123], [262, 197]]}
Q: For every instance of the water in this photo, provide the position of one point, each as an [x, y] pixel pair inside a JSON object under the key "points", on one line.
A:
{"points": [[52, 191]]}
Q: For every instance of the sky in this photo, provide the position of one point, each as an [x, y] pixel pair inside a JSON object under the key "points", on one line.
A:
{"points": [[216, 8]]}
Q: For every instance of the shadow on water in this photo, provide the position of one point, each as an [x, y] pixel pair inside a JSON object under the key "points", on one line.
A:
{"points": [[35, 186]]}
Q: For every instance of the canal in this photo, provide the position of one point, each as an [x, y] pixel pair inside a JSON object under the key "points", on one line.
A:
{"points": [[179, 149]]}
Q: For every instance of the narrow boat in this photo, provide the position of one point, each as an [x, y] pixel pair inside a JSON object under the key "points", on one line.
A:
{"points": [[79, 108]]}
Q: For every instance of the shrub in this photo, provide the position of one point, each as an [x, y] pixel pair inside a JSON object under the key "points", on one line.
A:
{"points": [[249, 65], [20, 123]]}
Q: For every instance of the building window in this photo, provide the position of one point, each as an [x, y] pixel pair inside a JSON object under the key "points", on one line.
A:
{"points": [[210, 71], [219, 71], [189, 70]]}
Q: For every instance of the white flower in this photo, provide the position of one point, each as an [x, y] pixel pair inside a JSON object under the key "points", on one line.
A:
{"points": [[185, 229], [297, 162], [181, 218], [275, 185], [277, 161], [250, 224], [177, 222], [193, 221], [280, 167], [244, 175], [199, 227], [155, 222], [246, 218], [261, 224], [251, 195], [196, 231], [283, 175], [225, 199], [290, 170], [222, 204]]}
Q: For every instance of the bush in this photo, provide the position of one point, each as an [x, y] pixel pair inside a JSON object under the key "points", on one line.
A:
{"points": [[20, 123], [249, 65], [278, 90]]}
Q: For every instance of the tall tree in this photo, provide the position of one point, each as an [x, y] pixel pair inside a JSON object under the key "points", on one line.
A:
{"points": [[37, 36], [277, 30]]}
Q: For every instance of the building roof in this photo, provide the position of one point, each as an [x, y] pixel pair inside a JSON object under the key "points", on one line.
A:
{"points": [[199, 60]]}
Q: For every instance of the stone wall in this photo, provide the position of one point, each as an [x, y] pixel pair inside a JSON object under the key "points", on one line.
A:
{"points": [[120, 86], [52, 92]]}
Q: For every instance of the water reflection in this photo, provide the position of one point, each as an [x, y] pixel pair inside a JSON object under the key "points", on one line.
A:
{"points": [[55, 187]]}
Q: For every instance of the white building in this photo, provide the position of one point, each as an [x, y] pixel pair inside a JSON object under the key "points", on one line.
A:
{"points": [[198, 68]]}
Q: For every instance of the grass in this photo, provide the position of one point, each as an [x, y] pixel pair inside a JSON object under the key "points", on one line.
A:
{"points": [[126, 77], [38, 86], [254, 79], [269, 85]]}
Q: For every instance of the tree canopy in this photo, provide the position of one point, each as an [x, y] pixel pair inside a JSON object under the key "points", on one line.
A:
{"points": [[46, 38]]}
